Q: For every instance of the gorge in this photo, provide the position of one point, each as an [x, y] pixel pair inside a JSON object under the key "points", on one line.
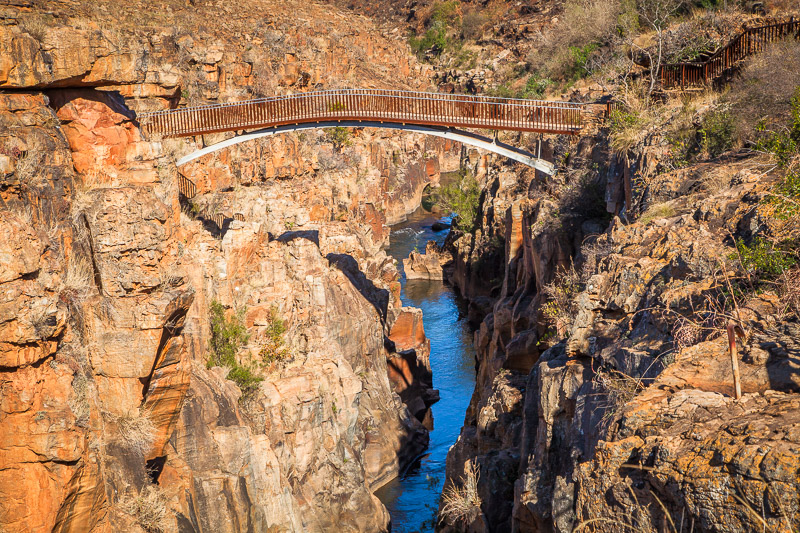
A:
{"points": [[292, 333]]}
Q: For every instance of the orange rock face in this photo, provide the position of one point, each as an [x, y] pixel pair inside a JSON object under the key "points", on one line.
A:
{"points": [[107, 148], [105, 392]]}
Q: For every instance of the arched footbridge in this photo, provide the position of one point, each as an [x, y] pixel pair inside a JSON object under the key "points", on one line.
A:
{"points": [[442, 115]]}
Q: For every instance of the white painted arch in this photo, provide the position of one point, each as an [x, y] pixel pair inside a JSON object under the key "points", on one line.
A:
{"points": [[466, 137]]}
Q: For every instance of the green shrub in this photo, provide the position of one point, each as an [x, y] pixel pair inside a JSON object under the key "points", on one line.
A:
{"points": [[461, 197], [501, 91], [246, 379], [784, 143], [580, 58], [338, 136], [764, 259], [274, 349], [786, 196], [535, 87], [443, 21], [717, 131], [228, 335]]}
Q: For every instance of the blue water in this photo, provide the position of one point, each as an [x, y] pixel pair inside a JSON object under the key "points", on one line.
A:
{"points": [[412, 500]]}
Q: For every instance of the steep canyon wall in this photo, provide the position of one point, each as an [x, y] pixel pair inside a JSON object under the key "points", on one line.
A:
{"points": [[110, 417]]}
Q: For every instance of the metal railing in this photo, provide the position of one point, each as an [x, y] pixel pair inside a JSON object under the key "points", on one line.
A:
{"points": [[402, 107], [751, 41]]}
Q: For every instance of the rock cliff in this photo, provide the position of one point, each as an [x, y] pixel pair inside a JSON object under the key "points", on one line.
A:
{"points": [[604, 387], [111, 417]]}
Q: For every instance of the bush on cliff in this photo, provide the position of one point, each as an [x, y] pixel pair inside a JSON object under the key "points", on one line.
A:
{"points": [[273, 348], [149, 507], [461, 197], [228, 335], [463, 504], [442, 25], [339, 137]]}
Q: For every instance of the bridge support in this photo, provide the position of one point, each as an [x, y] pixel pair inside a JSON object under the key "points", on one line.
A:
{"points": [[472, 139]]}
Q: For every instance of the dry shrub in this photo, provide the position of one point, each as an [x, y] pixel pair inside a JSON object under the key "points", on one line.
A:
{"points": [[330, 161], [149, 508], [790, 290], [462, 504], [584, 22], [561, 308], [685, 333], [761, 98], [137, 432], [618, 389], [593, 251], [35, 25], [79, 277], [472, 24], [79, 399]]}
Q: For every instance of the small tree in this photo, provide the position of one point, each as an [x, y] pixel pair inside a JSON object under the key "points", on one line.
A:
{"points": [[227, 335], [339, 137], [274, 348], [461, 197], [655, 15]]}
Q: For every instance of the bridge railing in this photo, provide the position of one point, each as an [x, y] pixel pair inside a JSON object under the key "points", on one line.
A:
{"points": [[751, 41], [433, 109]]}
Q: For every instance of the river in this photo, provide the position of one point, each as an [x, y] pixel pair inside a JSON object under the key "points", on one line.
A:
{"points": [[412, 499]]}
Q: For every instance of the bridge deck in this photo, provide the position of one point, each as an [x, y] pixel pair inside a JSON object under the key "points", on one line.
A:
{"points": [[399, 107]]}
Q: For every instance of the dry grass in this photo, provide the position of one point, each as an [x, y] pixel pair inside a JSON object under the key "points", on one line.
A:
{"points": [[462, 504], [664, 210], [79, 277], [618, 389], [35, 25], [40, 320], [137, 432], [29, 166], [149, 507]]}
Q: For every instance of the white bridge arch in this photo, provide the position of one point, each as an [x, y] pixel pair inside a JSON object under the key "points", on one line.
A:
{"points": [[469, 138]]}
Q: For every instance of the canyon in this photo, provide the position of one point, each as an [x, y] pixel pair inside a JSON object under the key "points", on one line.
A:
{"points": [[224, 346]]}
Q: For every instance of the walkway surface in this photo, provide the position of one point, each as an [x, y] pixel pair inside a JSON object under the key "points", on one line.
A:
{"points": [[383, 106]]}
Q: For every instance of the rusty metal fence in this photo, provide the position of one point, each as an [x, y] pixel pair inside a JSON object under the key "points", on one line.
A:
{"points": [[402, 107], [751, 41]]}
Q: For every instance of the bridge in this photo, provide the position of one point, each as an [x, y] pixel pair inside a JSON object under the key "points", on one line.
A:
{"points": [[428, 113]]}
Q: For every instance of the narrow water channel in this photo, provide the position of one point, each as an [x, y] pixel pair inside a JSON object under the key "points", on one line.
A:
{"points": [[412, 499]]}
